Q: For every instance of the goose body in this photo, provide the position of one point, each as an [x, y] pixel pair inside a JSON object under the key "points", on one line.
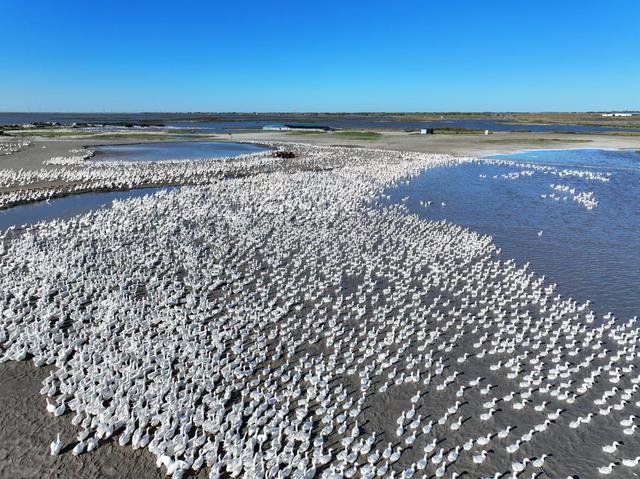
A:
{"points": [[56, 446]]}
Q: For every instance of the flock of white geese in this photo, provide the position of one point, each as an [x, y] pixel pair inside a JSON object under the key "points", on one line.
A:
{"points": [[531, 168], [13, 145], [285, 324], [72, 174], [78, 156], [560, 192]]}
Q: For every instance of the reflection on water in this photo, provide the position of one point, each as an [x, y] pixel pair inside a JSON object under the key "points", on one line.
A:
{"points": [[591, 254], [67, 207], [187, 150]]}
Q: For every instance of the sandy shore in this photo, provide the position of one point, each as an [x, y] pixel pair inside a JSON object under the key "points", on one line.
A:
{"points": [[51, 180], [34, 156], [26, 430], [461, 145], [56, 168]]}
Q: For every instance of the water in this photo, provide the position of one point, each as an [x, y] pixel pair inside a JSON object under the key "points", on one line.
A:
{"points": [[591, 254], [384, 123], [67, 207], [229, 123], [188, 150]]}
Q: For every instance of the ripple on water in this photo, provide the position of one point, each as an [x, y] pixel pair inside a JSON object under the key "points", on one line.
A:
{"points": [[67, 207], [185, 150], [591, 254]]}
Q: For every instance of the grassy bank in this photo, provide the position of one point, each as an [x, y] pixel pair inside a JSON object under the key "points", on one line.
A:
{"points": [[452, 131], [300, 133], [358, 135], [354, 135], [172, 135], [533, 141], [619, 133]]}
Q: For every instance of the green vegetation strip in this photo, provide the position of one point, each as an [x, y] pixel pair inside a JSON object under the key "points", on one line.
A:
{"points": [[359, 135], [173, 135], [57, 134], [354, 135], [301, 132], [618, 133], [521, 141], [451, 131]]}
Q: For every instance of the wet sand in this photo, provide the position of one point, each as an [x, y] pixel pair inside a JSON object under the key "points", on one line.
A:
{"points": [[26, 430], [55, 168], [462, 144], [33, 157]]}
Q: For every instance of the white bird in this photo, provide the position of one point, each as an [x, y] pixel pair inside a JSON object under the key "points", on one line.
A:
{"points": [[631, 462], [408, 473], [611, 448], [628, 422], [56, 446], [606, 469], [518, 467], [514, 447], [78, 448], [431, 446], [539, 462], [480, 457]]}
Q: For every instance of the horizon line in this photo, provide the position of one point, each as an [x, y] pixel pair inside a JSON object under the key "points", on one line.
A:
{"points": [[310, 112]]}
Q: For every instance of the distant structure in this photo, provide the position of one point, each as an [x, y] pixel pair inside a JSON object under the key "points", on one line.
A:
{"points": [[297, 128], [426, 131], [276, 128], [620, 114]]}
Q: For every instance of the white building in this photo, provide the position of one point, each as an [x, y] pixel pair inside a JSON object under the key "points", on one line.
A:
{"points": [[276, 128], [619, 114], [318, 129]]}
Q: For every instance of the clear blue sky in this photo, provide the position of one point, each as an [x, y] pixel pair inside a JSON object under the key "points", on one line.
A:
{"points": [[483, 55]]}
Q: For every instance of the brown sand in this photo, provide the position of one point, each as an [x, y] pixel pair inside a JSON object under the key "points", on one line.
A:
{"points": [[33, 156], [462, 145], [26, 430]]}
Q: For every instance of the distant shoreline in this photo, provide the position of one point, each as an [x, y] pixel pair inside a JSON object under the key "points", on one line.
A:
{"points": [[153, 119]]}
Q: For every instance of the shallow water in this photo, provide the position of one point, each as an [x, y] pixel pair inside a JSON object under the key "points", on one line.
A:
{"points": [[187, 150], [391, 124], [229, 123], [67, 207], [591, 254]]}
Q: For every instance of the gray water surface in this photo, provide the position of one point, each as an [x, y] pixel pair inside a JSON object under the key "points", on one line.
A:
{"points": [[163, 151], [72, 205], [67, 207], [592, 254]]}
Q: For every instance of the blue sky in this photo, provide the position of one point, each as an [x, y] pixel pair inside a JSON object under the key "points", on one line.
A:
{"points": [[511, 55]]}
